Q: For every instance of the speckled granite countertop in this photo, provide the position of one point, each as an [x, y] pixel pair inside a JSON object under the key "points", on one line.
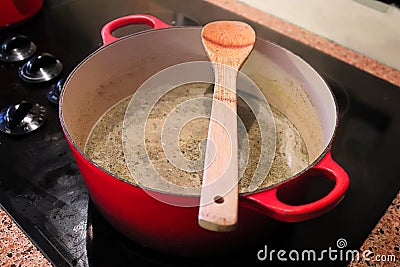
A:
{"points": [[17, 250]]}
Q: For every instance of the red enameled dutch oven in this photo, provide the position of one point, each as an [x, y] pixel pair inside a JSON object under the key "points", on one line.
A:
{"points": [[121, 65], [13, 11]]}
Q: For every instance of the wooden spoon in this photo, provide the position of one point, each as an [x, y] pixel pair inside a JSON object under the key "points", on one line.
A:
{"points": [[228, 44]]}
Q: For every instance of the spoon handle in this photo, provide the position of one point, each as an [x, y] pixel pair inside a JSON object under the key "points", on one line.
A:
{"points": [[219, 197]]}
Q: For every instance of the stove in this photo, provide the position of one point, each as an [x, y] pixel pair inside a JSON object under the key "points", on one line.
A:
{"points": [[41, 187]]}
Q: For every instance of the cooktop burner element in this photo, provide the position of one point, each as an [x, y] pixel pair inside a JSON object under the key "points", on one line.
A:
{"points": [[341, 95], [16, 48], [44, 193]]}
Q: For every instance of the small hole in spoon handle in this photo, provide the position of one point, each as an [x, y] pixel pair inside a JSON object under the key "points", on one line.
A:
{"points": [[219, 199]]}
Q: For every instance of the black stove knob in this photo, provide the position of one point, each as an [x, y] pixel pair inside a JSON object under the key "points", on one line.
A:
{"points": [[55, 90], [22, 118], [40, 68], [16, 48]]}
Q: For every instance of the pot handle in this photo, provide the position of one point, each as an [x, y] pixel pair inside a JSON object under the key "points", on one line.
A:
{"points": [[267, 202], [106, 31]]}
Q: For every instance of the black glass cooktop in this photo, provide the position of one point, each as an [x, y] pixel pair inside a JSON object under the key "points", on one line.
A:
{"points": [[41, 188]]}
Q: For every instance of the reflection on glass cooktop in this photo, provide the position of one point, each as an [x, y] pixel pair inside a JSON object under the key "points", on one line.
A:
{"points": [[41, 188]]}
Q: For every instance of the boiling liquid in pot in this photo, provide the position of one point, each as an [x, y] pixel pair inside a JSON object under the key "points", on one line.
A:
{"points": [[104, 144]]}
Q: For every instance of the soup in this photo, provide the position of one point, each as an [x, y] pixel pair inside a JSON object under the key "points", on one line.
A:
{"points": [[104, 145]]}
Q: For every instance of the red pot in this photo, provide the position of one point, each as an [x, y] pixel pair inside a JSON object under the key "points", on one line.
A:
{"points": [[13, 11], [116, 69]]}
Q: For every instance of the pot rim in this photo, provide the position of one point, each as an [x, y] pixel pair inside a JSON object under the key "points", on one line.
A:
{"points": [[150, 31]]}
